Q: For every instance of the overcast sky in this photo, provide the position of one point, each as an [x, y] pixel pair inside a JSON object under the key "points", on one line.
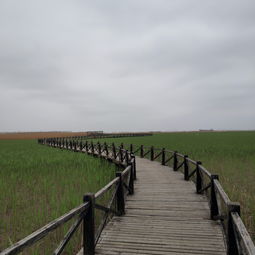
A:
{"points": [[127, 65]]}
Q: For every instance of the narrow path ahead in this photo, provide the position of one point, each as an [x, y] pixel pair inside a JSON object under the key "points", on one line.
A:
{"points": [[164, 216]]}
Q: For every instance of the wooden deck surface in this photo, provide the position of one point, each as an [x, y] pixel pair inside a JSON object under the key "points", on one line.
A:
{"points": [[164, 216]]}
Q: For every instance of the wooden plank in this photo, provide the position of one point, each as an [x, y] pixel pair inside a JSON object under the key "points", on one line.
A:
{"points": [[244, 239], [164, 216]]}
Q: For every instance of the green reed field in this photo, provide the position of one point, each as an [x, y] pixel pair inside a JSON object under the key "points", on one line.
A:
{"points": [[39, 184], [229, 154]]}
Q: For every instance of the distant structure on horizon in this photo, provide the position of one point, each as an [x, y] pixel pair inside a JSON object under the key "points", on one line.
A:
{"points": [[94, 132], [206, 130]]}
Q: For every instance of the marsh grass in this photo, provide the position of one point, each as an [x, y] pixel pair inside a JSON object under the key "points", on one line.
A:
{"points": [[39, 184], [229, 154]]}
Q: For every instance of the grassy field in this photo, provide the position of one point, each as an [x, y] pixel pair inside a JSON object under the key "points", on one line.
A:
{"points": [[39, 184], [229, 154]]}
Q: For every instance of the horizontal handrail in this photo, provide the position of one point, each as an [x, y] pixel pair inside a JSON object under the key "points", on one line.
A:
{"points": [[45, 230], [126, 171], [191, 161], [102, 191], [106, 215], [241, 235], [68, 235], [205, 171], [220, 191]]}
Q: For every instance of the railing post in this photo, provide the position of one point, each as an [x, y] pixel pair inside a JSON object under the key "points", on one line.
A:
{"points": [[134, 165], [175, 162], [75, 146], [214, 210], [86, 146], [186, 168], [131, 180], [152, 153], [232, 248], [120, 154], [131, 148], [92, 148], [141, 152], [81, 146], [106, 149], [120, 195], [99, 148], [127, 159], [113, 150], [89, 226], [163, 158], [198, 178]]}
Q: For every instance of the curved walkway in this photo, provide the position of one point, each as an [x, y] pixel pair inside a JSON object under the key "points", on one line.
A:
{"points": [[164, 216]]}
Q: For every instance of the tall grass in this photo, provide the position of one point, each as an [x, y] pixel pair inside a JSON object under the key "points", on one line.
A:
{"points": [[229, 154], [39, 184]]}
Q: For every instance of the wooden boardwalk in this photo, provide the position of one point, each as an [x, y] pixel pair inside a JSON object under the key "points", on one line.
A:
{"points": [[164, 216]]}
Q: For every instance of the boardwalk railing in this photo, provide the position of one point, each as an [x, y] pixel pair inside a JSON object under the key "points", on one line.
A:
{"points": [[92, 135], [221, 208], [121, 186]]}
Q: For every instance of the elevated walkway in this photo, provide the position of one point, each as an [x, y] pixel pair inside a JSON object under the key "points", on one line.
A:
{"points": [[164, 216]]}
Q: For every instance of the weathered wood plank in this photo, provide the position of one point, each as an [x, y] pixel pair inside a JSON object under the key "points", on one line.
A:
{"points": [[164, 216]]}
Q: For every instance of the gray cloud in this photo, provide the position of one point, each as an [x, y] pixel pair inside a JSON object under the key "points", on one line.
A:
{"points": [[138, 65]]}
